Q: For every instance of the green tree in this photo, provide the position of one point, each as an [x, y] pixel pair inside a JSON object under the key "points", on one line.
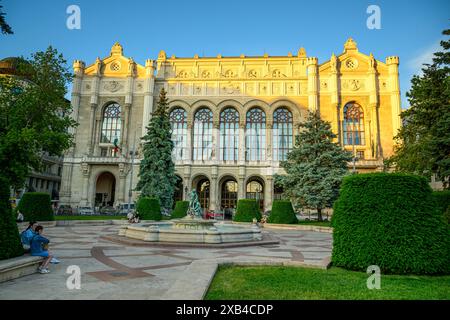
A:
{"points": [[423, 143], [6, 29], [157, 171], [34, 120], [315, 167]]}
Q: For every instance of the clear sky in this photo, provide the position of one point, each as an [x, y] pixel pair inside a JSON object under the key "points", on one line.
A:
{"points": [[410, 29]]}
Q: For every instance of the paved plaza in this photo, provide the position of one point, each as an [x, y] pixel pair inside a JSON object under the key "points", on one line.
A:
{"points": [[112, 270]]}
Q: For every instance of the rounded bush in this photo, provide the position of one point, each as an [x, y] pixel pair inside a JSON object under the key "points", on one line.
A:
{"points": [[389, 220], [247, 209], [36, 206], [180, 211], [148, 209], [443, 202], [282, 212], [10, 245]]}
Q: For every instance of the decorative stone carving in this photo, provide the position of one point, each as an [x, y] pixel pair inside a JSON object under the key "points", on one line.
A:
{"points": [[206, 74], [230, 74], [85, 169], [276, 88], [123, 170], [172, 89], [353, 84], [250, 88], [198, 89], [112, 86], [252, 74], [324, 85], [182, 74], [351, 64], [290, 88], [184, 89], [231, 88]]}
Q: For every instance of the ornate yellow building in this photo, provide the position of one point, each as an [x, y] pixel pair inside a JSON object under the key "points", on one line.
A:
{"points": [[233, 119]]}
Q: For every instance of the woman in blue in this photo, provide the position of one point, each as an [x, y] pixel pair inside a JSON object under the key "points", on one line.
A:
{"points": [[27, 234], [39, 247]]}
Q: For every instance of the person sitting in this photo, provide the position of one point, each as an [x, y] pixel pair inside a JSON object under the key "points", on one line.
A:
{"points": [[27, 234], [39, 248], [19, 216]]}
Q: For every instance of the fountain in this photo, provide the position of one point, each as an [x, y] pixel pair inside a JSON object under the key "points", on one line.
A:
{"points": [[192, 229]]}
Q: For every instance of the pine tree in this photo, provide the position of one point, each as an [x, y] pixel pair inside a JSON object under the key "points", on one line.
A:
{"points": [[157, 170], [423, 142], [315, 167]]}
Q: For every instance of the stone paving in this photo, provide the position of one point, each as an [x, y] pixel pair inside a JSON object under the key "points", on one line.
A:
{"points": [[116, 271]]}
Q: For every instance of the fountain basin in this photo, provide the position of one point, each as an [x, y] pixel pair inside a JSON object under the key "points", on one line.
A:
{"points": [[194, 231]]}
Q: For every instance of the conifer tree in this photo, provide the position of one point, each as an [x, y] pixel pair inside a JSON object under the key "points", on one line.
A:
{"points": [[314, 167], [157, 170]]}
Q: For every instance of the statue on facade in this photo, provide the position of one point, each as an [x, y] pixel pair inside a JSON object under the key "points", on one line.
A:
{"points": [[194, 210]]}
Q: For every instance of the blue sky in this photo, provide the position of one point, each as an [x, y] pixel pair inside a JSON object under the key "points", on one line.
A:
{"points": [[409, 29]]}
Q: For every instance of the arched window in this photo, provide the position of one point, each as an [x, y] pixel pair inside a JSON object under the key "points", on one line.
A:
{"points": [[229, 134], [203, 125], [112, 125], [353, 124], [282, 133], [255, 134], [178, 121], [255, 190]]}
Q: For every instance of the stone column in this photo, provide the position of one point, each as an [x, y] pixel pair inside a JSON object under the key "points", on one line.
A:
{"points": [[149, 84], [241, 182], [126, 130], [334, 95], [121, 196], [188, 156], [216, 142], [85, 170], [372, 108], [241, 158], [269, 143], [268, 193], [394, 83], [92, 128], [213, 190], [313, 87]]}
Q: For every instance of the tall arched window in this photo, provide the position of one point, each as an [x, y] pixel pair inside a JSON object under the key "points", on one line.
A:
{"points": [[353, 124], [178, 121], [112, 125], [255, 135], [282, 133], [203, 125], [229, 134]]}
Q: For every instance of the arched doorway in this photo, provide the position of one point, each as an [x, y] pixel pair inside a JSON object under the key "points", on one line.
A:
{"points": [[277, 192], [203, 191], [228, 196], [105, 190], [178, 194], [255, 190]]}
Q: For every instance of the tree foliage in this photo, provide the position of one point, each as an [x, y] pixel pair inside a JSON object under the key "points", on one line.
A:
{"points": [[315, 166], [6, 29], [157, 170], [423, 142], [34, 115]]}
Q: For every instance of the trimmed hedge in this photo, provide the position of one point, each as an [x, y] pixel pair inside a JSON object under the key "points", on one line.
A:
{"points": [[36, 206], [148, 209], [10, 244], [282, 212], [389, 220], [247, 209], [180, 211], [443, 202]]}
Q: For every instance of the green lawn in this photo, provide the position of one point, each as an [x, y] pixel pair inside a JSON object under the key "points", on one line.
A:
{"points": [[316, 223], [282, 283], [89, 217]]}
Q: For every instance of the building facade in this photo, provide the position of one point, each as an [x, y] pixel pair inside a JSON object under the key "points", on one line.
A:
{"points": [[233, 118]]}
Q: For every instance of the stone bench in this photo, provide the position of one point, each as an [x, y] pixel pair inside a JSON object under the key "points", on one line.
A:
{"points": [[18, 267]]}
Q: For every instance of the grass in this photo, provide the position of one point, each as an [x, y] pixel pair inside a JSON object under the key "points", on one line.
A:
{"points": [[90, 217], [315, 223], [296, 283]]}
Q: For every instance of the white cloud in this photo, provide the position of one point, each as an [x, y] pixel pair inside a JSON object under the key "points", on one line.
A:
{"points": [[424, 56]]}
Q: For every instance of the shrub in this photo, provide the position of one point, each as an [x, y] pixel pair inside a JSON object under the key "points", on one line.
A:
{"points": [[443, 202], [282, 212], [10, 245], [389, 220], [148, 209], [181, 208], [247, 209], [36, 206]]}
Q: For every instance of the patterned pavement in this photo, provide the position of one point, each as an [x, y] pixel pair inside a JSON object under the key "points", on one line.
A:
{"points": [[117, 271]]}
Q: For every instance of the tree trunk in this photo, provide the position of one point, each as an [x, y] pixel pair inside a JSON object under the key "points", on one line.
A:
{"points": [[319, 214]]}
